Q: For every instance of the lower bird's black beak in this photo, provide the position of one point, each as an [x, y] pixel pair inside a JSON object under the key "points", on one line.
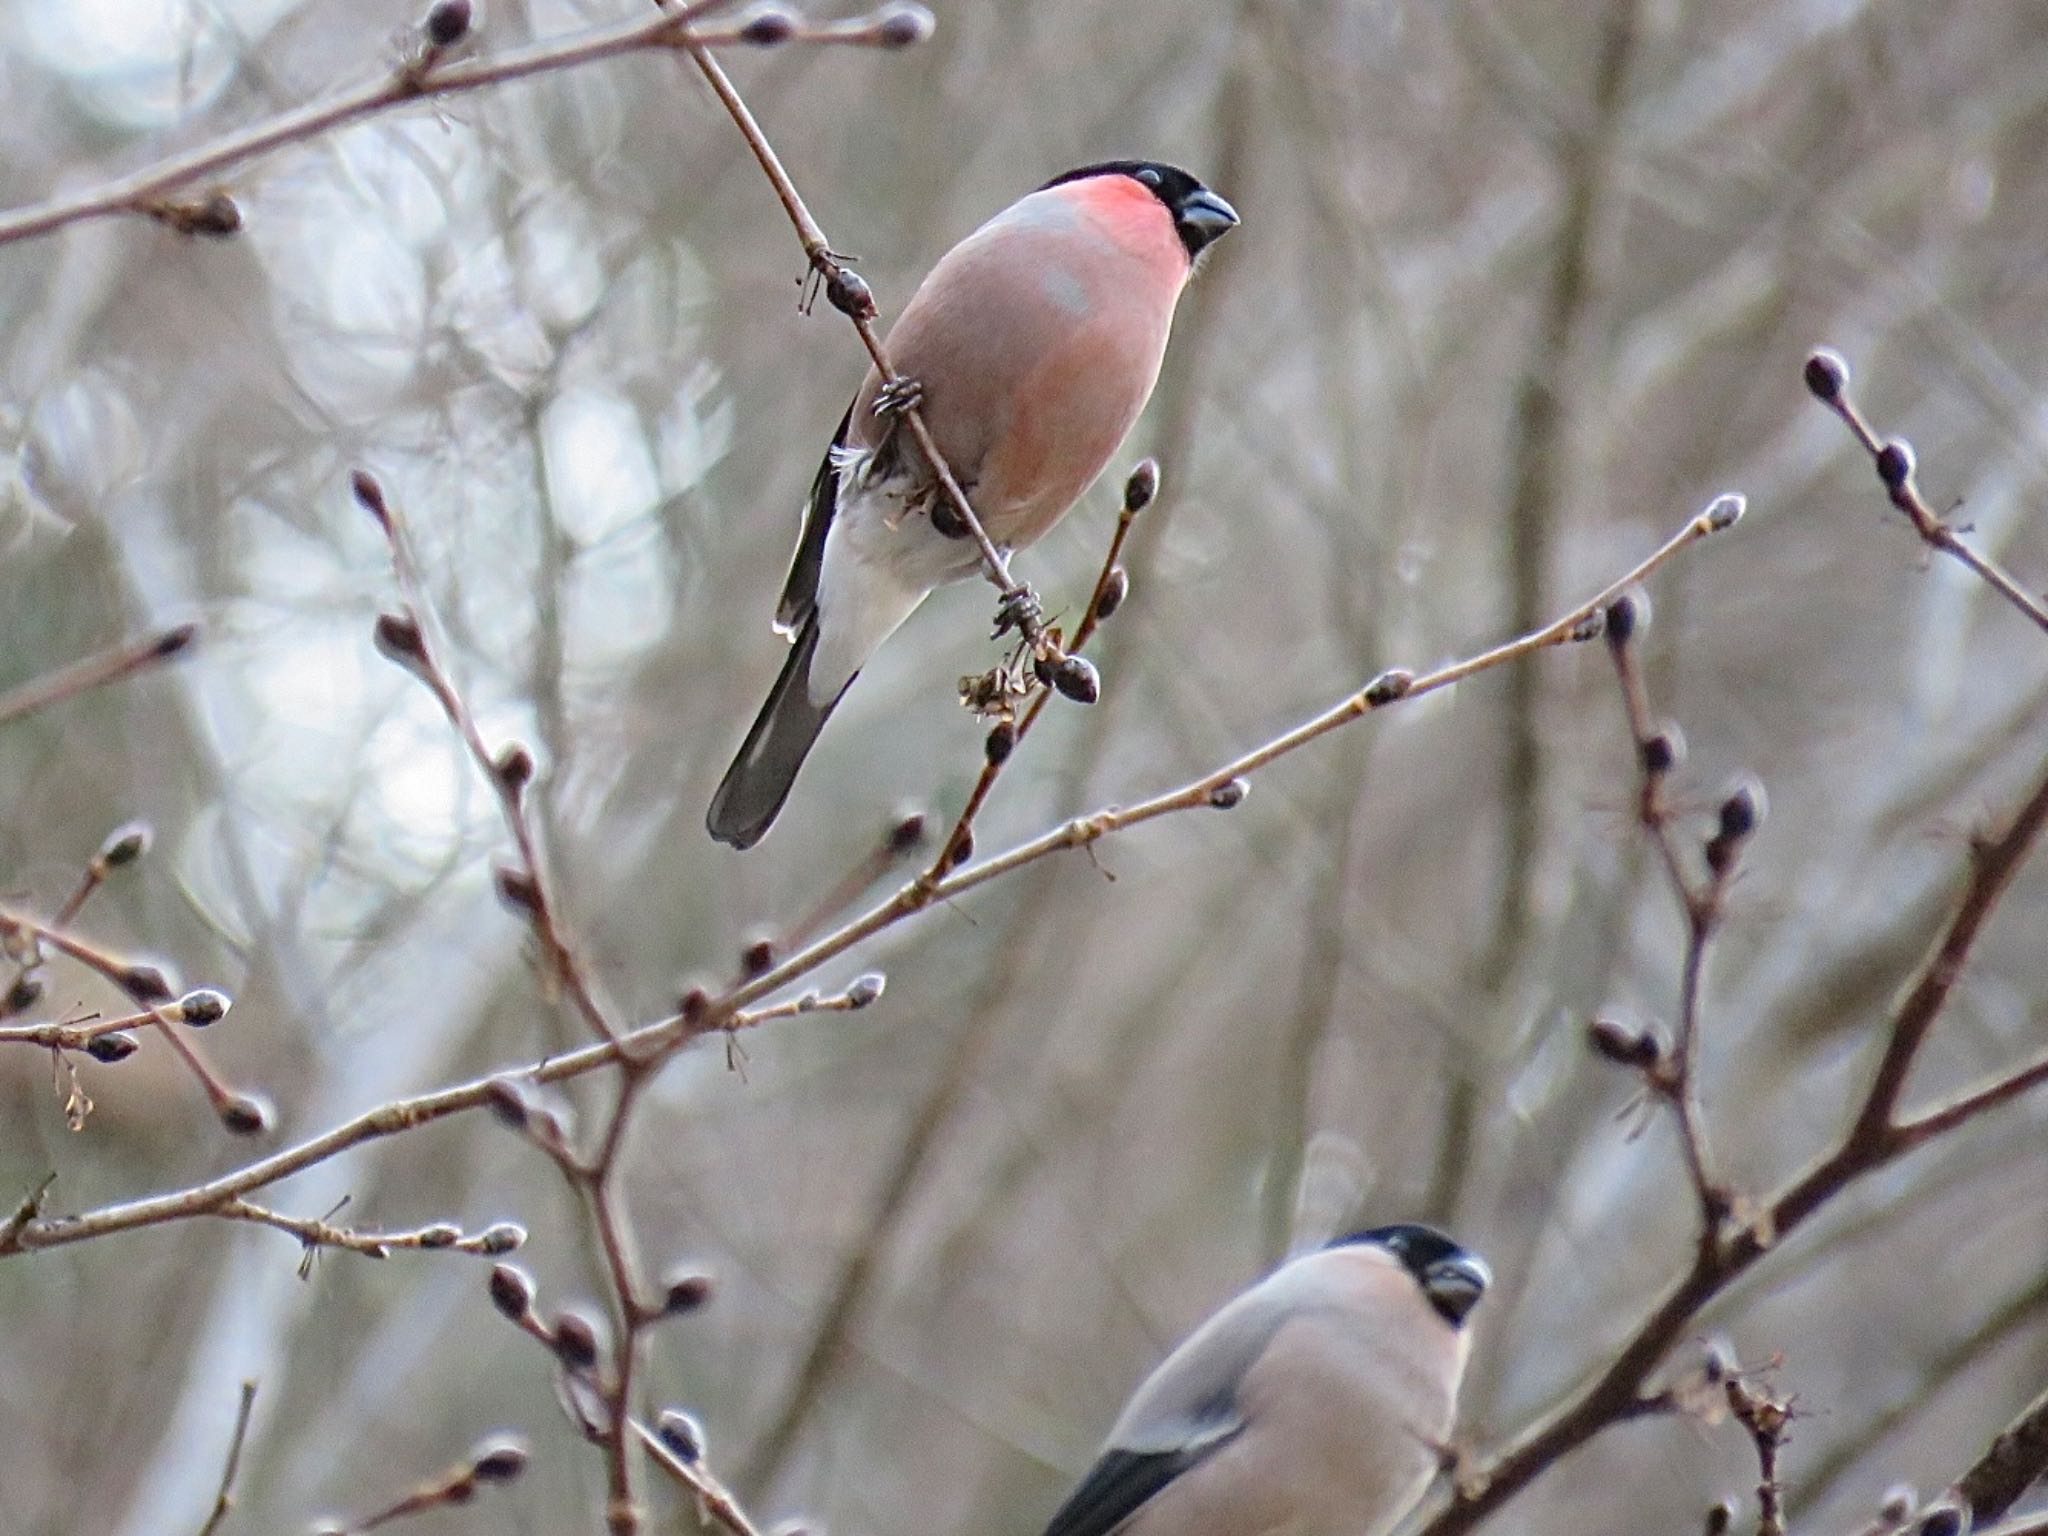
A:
{"points": [[1455, 1284]]}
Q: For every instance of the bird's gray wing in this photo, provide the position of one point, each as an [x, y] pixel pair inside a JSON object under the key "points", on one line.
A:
{"points": [[1185, 1412], [800, 587]]}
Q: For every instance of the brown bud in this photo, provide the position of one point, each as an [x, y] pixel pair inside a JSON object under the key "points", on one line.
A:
{"points": [[1625, 615], [681, 1434], [1740, 815], [115, 1045], [1900, 1500], [499, 1460], [768, 25], [369, 496], [758, 957], [1726, 511], [23, 995], [1228, 795], [849, 293], [865, 989], [516, 889], [147, 984], [962, 849], [512, 1290], [1827, 375], [201, 1006], [1720, 1517], [902, 25], [1661, 751], [906, 833], [501, 1237], [1895, 464], [577, 1338], [1142, 486], [1943, 1519], [397, 637], [694, 1005], [510, 1100], [246, 1115], [684, 1290], [1389, 686], [1001, 742], [173, 640], [442, 1234], [1624, 1044], [447, 22], [1077, 679], [124, 845], [514, 767], [1114, 590]]}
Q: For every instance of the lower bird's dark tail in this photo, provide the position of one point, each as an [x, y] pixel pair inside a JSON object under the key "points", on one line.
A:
{"points": [[754, 787]]}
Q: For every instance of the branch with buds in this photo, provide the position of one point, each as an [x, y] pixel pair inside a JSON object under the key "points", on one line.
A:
{"points": [[433, 67]]}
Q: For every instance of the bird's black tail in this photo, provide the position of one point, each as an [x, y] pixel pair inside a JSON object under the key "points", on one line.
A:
{"points": [[754, 787]]}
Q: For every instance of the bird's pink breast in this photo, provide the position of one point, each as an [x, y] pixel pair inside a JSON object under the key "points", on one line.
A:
{"points": [[1038, 340]]}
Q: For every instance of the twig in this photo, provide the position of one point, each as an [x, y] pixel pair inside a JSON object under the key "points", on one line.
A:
{"points": [[108, 666], [716, 1499], [242, 1113], [1873, 1140], [2017, 1460], [225, 1499], [1827, 376], [1766, 1418], [1674, 1074], [149, 190], [120, 848], [498, 1460], [1111, 585], [851, 296], [436, 1237], [729, 1012], [403, 637]]}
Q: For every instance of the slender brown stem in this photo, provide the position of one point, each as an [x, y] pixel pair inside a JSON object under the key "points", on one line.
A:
{"points": [[1827, 376], [224, 1500], [108, 666], [146, 190], [508, 772], [731, 1011], [1873, 1140]]}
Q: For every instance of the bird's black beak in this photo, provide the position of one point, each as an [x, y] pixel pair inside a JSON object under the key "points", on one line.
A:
{"points": [[1455, 1284], [1201, 217]]}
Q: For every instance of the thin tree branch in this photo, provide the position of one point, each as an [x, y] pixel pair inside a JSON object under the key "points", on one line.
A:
{"points": [[404, 639], [1827, 376], [224, 1501], [2017, 1460], [425, 76], [1873, 1140], [109, 666], [730, 1012]]}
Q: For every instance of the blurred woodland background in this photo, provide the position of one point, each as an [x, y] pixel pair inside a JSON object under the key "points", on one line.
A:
{"points": [[1521, 285]]}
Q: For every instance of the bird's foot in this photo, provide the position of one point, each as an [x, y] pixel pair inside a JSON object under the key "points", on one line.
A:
{"points": [[1020, 610], [897, 396]]}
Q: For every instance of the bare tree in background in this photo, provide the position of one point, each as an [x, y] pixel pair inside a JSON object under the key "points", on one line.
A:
{"points": [[502, 365]]}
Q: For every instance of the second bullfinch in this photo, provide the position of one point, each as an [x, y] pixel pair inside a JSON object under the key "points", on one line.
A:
{"points": [[1030, 349], [1317, 1403]]}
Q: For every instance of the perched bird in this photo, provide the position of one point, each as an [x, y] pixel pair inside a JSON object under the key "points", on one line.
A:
{"points": [[1317, 1403], [1030, 349]]}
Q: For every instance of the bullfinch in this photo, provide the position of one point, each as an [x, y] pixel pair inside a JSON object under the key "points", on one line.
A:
{"points": [[1030, 349], [1317, 1403]]}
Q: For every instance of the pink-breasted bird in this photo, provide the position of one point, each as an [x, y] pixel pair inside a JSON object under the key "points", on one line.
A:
{"points": [[1029, 349]]}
